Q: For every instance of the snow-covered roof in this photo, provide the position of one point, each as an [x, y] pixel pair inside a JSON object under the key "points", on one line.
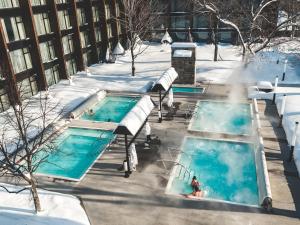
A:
{"points": [[133, 121], [166, 80], [94, 99], [182, 53], [183, 45]]}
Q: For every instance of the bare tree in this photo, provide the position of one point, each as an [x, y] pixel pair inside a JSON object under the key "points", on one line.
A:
{"points": [[139, 16], [258, 27], [26, 129]]}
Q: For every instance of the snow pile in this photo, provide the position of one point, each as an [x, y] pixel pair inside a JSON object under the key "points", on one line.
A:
{"points": [[291, 115], [58, 209]]}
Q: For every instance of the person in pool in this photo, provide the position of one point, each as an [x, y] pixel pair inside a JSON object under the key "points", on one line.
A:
{"points": [[194, 182], [196, 194]]}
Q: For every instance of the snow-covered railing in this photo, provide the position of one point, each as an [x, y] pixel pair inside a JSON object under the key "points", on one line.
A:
{"points": [[93, 100], [135, 119], [263, 181], [166, 80]]}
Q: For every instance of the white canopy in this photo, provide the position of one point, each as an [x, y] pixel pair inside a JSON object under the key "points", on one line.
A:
{"points": [[133, 121], [166, 80], [166, 38]]}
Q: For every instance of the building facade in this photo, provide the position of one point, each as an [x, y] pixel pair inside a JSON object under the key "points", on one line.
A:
{"points": [[44, 41]]}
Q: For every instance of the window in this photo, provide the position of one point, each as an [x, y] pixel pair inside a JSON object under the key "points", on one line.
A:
{"points": [[13, 28], [37, 2], [9, 3], [67, 42], [42, 23], [64, 19], [81, 16], [47, 51], [28, 87], [61, 1], [180, 22], [98, 34], [107, 11], [179, 6], [4, 100], [84, 39], [201, 21], [117, 9], [109, 31], [21, 60], [71, 67], [52, 75], [96, 14]]}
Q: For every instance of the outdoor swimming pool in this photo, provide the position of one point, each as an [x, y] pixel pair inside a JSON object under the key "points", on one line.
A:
{"points": [[76, 150], [220, 170], [111, 109], [188, 90], [222, 117]]}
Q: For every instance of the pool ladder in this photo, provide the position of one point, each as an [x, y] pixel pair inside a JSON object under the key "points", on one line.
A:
{"points": [[184, 173]]}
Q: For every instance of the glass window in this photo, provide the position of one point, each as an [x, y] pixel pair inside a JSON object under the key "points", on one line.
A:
{"points": [[64, 19], [98, 34], [81, 16], [107, 11], [61, 1], [71, 67], [42, 23], [67, 42], [180, 22], [38, 2], [179, 6], [13, 28], [47, 51], [9, 3], [201, 21], [52, 75], [109, 31], [84, 39], [4, 100], [96, 14], [21, 60], [27, 87]]}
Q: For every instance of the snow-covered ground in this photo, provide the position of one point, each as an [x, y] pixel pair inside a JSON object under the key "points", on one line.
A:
{"points": [[58, 209]]}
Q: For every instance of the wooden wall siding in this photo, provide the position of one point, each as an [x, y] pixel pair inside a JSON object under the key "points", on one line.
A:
{"points": [[34, 47], [7, 70], [76, 32], [58, 46]]}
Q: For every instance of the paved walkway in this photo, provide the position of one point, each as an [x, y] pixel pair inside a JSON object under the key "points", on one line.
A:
{"points": [[110, 199]]}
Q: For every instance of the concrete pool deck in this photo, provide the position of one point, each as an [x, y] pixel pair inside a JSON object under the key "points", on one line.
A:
{"points": [[110, 199]]}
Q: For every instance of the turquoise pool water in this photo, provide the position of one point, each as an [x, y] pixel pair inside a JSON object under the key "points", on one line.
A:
{"points": [[112, 109], [192, 90], [222, 117], [226, 170], [76, 151]]}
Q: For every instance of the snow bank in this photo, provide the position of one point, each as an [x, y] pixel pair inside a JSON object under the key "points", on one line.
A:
{"points": [[290, 117], [58, 209]]}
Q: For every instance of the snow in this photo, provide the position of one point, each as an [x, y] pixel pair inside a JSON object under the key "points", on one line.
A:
{"points": [[58, 209], [166, 80], [136, 117], [182, 53], [184, 45], [291, 115]]}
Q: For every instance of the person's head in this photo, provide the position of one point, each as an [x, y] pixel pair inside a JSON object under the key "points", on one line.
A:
{"points": [[91, 110], [194, 178]]}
